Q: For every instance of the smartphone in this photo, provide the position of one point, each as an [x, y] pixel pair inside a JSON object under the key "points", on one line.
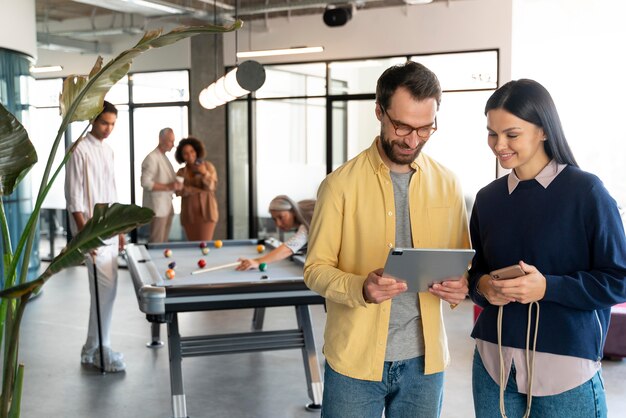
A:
{"points": [[509, 272]]}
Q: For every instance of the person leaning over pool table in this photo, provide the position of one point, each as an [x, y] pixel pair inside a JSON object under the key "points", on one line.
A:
{"points": [[288, 215]]}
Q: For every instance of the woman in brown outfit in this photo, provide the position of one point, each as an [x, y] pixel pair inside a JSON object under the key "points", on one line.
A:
{"points": [[198, 214]]}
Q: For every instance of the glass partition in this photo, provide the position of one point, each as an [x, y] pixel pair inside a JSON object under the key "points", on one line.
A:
{"points": [[158, 96], [238, 170], [293, 80], [290, 151], [358, 76], [463, 70], [146, 139], [460, 142], [160, 87], [290, 128]]}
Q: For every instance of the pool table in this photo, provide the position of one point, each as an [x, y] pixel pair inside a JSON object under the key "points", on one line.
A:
{"points": [[161, 299]]}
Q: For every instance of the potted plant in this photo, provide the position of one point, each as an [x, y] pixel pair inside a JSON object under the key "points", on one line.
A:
{"points": [[81, 99]]}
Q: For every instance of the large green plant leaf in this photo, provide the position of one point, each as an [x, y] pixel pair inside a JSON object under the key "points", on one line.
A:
{"points": [[107, 221], [94, 87], [17, 154]]}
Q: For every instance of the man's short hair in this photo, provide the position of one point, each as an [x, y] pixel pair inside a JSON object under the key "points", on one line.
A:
{"points": [[421, 83], [164, 132], [107, 108]]}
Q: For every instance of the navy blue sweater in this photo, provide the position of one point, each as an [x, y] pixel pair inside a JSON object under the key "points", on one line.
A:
{"points": [[572, 232]]}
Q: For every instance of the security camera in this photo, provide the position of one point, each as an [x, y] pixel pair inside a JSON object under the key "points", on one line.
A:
{"points": [[337, 15]]}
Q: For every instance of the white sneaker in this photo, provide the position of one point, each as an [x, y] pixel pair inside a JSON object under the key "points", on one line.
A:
{"points": [[87, 355], [113, 361]]}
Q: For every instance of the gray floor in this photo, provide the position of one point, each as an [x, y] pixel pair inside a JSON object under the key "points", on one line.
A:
{"points": [[260, 385]]}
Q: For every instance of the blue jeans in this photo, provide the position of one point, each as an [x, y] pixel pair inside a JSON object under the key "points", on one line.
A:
{"points": [[585, 401], [405, 392]]}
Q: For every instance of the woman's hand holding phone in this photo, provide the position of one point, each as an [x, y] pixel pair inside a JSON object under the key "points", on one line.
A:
{"points": [[510, 272], [519, 283], [492, 294]]}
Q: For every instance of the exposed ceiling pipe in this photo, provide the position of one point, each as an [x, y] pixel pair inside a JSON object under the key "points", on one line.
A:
{"points": [[62, 43], [301, 5]]}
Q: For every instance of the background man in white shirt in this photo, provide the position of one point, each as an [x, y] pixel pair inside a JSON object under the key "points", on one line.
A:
{"points": [[90, 179], [158, 180]]}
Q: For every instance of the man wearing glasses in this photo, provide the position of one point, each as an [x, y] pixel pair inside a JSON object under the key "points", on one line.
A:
{"points": [[386, 348]]}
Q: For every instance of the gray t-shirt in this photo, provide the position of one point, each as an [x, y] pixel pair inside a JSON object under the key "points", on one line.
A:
{"points": [[405, 338]]}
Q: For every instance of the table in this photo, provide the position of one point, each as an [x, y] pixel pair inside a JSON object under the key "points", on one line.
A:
{"points": [[162, 299]]}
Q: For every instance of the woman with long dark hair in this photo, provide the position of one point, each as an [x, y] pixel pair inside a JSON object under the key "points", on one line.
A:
{"points": [[540, 336]]}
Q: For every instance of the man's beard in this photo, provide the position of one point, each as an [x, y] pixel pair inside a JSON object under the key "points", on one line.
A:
{"points": [[388, 148]]}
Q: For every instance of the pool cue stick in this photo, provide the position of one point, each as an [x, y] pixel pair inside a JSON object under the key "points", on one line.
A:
{"points": [[95, 280], [223, 266]]}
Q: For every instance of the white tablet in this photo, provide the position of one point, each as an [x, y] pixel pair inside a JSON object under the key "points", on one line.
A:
{"points": [[421, 268]]}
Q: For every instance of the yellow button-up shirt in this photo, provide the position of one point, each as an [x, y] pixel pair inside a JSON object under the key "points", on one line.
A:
{"points": [[352, 230]]}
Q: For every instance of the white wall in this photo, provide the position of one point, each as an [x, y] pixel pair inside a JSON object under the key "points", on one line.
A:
{"points": [[17, 26], [575, 48], [436, 27]]}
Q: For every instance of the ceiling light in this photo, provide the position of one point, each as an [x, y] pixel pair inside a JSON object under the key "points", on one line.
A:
{"points": [[247, 77], [143, 7], [412, 2], [208, 99], [45, 69], [285, 51], [219, 4], [232, 86], [94, 33]]}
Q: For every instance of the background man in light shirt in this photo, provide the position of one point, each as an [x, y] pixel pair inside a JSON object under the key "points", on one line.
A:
{"points": [[158, 180], [90, 179]]}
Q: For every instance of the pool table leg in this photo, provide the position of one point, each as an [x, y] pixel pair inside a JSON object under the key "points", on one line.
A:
{"points": [[179, 403], [258, 318], [309, 356], [155, 330]]}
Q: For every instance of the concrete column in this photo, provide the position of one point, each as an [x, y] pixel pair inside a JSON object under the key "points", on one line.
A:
{"points": [[209, 126]]}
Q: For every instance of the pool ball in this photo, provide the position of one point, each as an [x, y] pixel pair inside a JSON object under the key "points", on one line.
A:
{"points": [[201, 263], [262, 266], [170, 274], [167, 252], [172, 265], [203, 244], [218, 244], [205, 250], [260, 248]]}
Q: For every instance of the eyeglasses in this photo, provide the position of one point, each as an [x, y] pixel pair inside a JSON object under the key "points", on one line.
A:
{"points": [[423, 132]]}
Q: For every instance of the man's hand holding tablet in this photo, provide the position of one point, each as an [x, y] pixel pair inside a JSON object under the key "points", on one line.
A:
{"points": [[438, 271], [378, 288]]}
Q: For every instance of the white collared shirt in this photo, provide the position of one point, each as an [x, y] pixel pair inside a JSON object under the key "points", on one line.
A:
{"points": [[89, 177]]}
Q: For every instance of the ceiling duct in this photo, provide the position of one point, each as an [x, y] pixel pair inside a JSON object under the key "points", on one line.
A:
{"points": [[63, 43]]}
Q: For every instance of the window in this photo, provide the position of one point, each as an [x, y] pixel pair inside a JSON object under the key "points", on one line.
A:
{"points": [[291, 149], [156, 96], [293, 80], [295, 112], [358, 76]]}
